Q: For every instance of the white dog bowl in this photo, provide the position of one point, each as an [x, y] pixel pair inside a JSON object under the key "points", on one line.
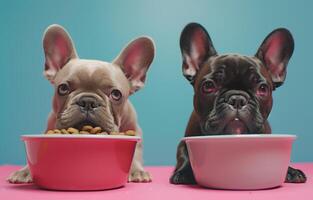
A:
{"points": [[240, 162]]}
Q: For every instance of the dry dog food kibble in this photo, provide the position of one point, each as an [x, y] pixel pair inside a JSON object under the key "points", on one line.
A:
{"points": [[89, 130], [84, 132], [64, 131], [95, 130], [73, 130], [50, 132], [57, 131], [114, 133], [130, 133]]}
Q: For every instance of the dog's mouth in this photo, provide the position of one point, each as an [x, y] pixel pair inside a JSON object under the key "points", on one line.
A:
{"points": [[236, 126]]}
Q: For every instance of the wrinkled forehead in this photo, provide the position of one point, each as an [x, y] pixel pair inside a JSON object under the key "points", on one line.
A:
{"points": [[233, 67], [92, 74]]}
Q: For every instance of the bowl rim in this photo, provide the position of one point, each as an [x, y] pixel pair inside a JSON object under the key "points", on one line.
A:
{"points": [[241, 136], [75, 136]]}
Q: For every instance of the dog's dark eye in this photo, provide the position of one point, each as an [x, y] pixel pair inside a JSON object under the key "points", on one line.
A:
{"points": [[208, 87], [116, 95], [63, 89], [262, 90]]}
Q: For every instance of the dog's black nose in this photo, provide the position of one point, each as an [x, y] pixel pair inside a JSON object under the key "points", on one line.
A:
{"points": [[88, 103], [237, 101]]}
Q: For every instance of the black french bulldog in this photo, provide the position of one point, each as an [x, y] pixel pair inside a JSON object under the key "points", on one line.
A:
{"points": [[232, 93]]}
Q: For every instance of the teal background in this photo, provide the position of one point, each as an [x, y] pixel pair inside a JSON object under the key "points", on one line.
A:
{"points": [[101, 28]]}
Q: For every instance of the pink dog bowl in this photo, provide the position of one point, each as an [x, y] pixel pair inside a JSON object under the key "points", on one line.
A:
{"points": [[79, 162], [240, 162]]}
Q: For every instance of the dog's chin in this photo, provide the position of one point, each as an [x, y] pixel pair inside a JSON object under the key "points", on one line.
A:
{"points": [[235, 127]]}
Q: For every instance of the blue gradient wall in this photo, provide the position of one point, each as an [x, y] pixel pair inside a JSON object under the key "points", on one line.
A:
{"points": [[101, 28]]}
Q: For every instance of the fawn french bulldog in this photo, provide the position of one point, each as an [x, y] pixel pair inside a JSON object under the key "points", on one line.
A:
{"points": [[93, 92], [232, 93]]}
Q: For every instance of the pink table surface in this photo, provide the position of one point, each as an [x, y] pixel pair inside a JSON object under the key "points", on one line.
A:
{"points": [[158, 189]]}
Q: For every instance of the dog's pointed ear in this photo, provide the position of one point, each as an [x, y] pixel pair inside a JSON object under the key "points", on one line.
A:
{"points": [[135, 60], [196, 47], [58, 48], [275, 52]]}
